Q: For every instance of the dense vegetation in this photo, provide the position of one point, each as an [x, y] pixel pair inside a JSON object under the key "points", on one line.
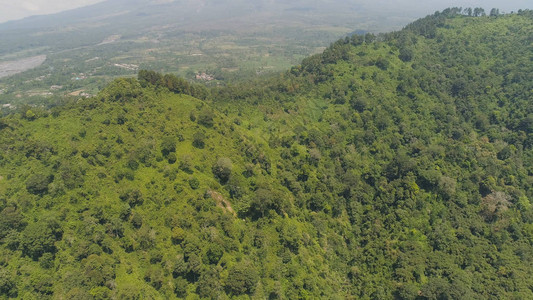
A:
{"points": [[397, 166]]}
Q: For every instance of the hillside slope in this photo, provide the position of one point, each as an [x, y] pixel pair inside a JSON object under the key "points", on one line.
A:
{"points": [[397, 166]]}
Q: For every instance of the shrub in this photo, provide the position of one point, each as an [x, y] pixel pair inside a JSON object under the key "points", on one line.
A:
{"points": [[222, 169], [149, 77], [7, 285], [194, 183], [209, 285], [98, 270], [171, 158], [100, 293], [72, 175], [37, 184], [213, 254], [199, 140], [47, 260], [186, 163], [39, 238], [30, 115], [10, 219], [265, 201], [205, 117], [242, 279], [122, 90], [137, 221], [132, 197], [168, 145]]}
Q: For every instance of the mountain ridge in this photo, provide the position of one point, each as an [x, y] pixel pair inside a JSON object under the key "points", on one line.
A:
{"points": [[396, 166]]}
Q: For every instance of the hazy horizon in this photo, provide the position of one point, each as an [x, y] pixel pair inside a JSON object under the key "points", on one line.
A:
{"points": [[411, 8]]}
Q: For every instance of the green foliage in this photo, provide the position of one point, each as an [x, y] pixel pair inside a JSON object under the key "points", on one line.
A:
{"points": [[122, 90], [209, 284], [172, 83], [72, 175], [171, 158], [205, 117], [199, 139], [194, 183], [40, 238], [213, 254], [30, 115], [130, 292], [242, 279], [100, 293], [37, 184], [10, 219], [168, 145], [391, 166], [222, 169], [7, 285], [265, 202], [98, 271], [149, 77], [46, 261], [132, 197]]}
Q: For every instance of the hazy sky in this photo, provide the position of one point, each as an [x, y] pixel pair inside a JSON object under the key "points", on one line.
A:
{"points": [[17, 9]]}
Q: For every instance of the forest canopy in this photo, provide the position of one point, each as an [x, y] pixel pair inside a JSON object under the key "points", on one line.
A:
{"points": [[392, 166]]}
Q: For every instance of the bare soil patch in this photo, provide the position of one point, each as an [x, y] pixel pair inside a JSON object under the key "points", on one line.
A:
{"points": [[221, 202]]}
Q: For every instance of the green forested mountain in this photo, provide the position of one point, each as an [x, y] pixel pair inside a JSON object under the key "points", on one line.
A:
{"points": [[397, 166]]}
